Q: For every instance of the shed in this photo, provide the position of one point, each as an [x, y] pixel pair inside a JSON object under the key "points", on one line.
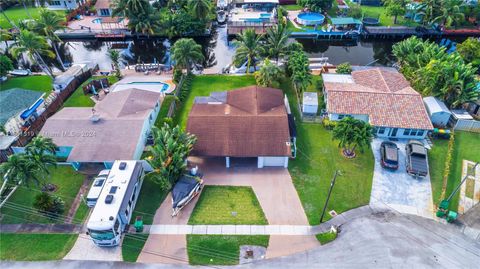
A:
{"points": [[310, 103], [437, 110]]}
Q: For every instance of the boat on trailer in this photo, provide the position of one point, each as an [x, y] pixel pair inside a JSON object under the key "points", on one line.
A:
{"points": [[186, 188]]}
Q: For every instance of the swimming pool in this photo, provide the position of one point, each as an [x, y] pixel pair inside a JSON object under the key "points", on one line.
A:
{"points": [[310, 18], [163, 86], [154, 86]]}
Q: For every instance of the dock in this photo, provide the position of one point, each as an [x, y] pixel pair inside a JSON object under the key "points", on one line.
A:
{"points": [[387, 32]]}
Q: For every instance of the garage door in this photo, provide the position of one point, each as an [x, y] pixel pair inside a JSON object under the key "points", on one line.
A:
{"points": [[273, 161]]}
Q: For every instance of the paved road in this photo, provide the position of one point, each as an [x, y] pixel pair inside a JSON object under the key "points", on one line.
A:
{"points": [[382, 240], [397, 188]]}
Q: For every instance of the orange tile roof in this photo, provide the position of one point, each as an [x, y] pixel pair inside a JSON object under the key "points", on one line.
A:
{"points": [[385, 96]]}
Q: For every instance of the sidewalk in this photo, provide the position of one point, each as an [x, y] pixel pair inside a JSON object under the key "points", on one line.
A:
{"points": [[40, 228]]}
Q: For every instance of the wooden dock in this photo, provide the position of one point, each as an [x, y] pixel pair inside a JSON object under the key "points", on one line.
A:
{"points": [[386, 32]]}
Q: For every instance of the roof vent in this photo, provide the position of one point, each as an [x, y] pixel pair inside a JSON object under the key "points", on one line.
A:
{"points": [[109, 199], [123, 165]]}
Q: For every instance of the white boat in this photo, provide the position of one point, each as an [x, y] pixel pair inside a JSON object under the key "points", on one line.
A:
{"points": [[20, 72]]}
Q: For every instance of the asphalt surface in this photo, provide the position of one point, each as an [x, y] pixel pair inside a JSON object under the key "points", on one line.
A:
{"points": [[381, 240], [396, 187]]}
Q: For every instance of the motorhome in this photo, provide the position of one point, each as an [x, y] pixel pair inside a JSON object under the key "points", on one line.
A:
{"points": [[97, 187], [116, 203]]}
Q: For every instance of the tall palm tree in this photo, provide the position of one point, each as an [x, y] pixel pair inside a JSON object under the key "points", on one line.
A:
{"points": [[267, 74], [145, 23], [276, 41], [47, 24], [34, 46], [114, 55], [200, 8], [351, 134], [451, 12], [42, 150], [249, 48], [127, 8], [186, 52]]}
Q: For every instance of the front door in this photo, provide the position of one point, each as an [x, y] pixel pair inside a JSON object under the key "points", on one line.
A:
{"points": [[394, 132]]}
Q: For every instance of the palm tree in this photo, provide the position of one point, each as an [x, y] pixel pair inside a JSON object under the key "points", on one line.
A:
{"points": [[352, 134], [185, 53], [168, 154], [451, 13], [47, 24], [301, 76], [249, 48], [145, 23], [429, 9], [115, 57], [127, 8], [42, 150], [5, 36], [276, 41], [34, 46], [200, 8], [267, 74]]}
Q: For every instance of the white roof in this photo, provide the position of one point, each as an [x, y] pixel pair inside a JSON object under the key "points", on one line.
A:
{"points": [[310, 98], [337, 78], [6, 141], [461, 114], [104, 215], [434, 105]]}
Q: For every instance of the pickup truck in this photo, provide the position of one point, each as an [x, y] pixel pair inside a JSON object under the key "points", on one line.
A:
{"points": [[417, 161]]}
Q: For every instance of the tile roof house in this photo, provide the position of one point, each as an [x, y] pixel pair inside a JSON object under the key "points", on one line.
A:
{"points": [[381, 97], [115, 129], [247, 122]]}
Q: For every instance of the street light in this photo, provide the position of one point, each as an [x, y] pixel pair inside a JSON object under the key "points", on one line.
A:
{"points": [[332, 183]]}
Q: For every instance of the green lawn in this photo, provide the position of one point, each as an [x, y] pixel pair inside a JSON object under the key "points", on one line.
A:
{"points": [[132, 245], [16, 14], [34, 83], [150, 198], [204, 85], [326, 238], [220, 249], [292, 7], [467, 147], [227, 205], [79, 99], [385, 20], [436, 159], [35, 247], [19, 207], [162, 114]]}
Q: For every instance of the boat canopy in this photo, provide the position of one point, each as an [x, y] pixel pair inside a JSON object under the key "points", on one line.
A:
{"points": [[27, 113], [182, 188]]}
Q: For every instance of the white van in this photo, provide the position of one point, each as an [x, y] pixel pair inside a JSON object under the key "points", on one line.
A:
{"points": [[96, 188]]}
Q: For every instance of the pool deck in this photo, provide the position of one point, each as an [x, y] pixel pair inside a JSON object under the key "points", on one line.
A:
{"points": [[87, 23], [136, 77]]}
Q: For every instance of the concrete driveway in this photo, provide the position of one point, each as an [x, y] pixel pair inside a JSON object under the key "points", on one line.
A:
{"points": [[398, 189]]}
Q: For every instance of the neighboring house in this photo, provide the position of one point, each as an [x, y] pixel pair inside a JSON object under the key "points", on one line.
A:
{"points": [[438, 111], [247, 122], [103, 8], [19, 108], [63, 4], [115, 129], [381, 97]]}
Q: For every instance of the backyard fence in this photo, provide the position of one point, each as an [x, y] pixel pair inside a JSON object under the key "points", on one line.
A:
{"points": [[468, 125]]}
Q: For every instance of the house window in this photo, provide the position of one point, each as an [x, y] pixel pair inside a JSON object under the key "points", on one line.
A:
{"points": [[406, 132], [413, 132], [420, 132], [341, 116], [55, 3], [381, 130], [104, 12]]}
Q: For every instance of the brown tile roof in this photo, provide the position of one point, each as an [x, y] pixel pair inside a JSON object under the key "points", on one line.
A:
{"points": [[386, 96], [102, 4], [115, 136], [252, 122]]}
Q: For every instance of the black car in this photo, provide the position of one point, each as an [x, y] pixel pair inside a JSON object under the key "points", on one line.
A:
{"points": [[389, 155]]}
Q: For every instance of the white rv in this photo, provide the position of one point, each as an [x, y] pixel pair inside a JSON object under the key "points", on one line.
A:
{"points": [[96, 188], [116, 203]]}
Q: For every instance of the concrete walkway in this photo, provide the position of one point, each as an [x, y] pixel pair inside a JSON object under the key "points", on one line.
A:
{"points": [[40, 228]]}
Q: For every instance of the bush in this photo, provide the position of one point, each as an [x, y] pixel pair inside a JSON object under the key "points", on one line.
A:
{"points": [[448, 163], [355, 11], [329, 124], [49, 205], [185, 88], [177, 75], [344, 68], [327, 237], [5, 65]]}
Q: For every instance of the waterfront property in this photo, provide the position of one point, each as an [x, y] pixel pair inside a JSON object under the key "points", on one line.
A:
{"points": [[63, 4], [246, 122], [103, 8], [382, 97], [116, 128], [256, 14]]}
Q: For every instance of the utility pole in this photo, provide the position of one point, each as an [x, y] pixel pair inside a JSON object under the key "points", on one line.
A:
{"points": [[332, 183]]}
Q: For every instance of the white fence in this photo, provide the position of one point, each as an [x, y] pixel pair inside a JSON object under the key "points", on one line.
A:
{"points": [[468, 125]]}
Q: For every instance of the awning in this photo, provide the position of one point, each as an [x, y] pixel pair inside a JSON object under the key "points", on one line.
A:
{"points": [[32, 109], [345, 21]]}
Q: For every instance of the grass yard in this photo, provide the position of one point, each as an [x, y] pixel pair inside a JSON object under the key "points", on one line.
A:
{"points": [[220, 249], [35, 247], [34, 83], [292, 7], [385, 20], [149, 200], [132, 246], [436, 158], [78, 99], [217, 204], [326, 238], [204, 85], [19, 208], [467, 147], [17, 14], [162, 114]]}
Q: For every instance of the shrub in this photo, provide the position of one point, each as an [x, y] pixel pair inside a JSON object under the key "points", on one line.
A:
{"points": [[49, 205], [5, 65], [344, 68], [329, 124], [177, 75], [448, 163]]}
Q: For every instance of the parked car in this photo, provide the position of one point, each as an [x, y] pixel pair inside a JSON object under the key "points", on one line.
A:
{"points": [[97, 187], [389, 155], [417, 160]]}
